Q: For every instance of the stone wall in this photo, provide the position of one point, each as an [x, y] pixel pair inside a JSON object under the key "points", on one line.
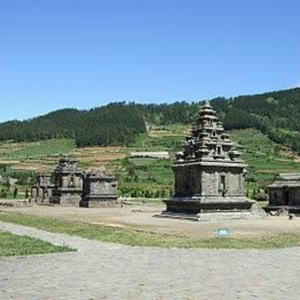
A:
{"points": [[99, 190], [284, 196], [294, 196]]}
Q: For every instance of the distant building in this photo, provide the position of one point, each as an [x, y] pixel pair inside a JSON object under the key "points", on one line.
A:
{"points": [[99, 189], [73, 187], [67, 182], [41, 191], [285, 192]]}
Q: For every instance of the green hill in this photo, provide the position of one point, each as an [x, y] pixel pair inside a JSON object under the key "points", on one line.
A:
{"points": [[277, 114], [114, 124]]}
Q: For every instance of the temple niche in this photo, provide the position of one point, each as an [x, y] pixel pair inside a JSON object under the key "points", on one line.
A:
{"points": [[209, 175], [67, 183]]}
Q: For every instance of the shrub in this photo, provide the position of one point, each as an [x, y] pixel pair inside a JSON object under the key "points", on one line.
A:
{"points": [[261, 196]]}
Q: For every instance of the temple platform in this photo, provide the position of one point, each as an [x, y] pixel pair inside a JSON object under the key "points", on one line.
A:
{"points": [[294, 209], [213, 208]]}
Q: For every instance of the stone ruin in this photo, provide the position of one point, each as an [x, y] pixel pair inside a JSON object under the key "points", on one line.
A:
{"points": [[73, 187], [209, 175], [284, 194], [41, 191], [99, 188], [67, 182]]}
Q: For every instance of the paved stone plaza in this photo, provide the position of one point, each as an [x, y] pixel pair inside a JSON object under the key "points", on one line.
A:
{"points": [[107, 271]]}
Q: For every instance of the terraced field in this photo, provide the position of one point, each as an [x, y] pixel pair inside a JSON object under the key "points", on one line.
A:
{"points": [[149, 177]]}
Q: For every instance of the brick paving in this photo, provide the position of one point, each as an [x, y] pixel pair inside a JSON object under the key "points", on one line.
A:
{"points": [[108, 271]]}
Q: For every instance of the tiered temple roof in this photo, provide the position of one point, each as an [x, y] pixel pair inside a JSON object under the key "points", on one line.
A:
{"points": [[207, 140]]}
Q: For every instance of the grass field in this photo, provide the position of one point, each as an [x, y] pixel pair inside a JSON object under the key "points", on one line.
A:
{"points": [[36, 149], [11, 245], [262, 154], [265, 158], [140, 238]]}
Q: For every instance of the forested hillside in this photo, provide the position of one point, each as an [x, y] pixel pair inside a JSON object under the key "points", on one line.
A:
{"points": [[276, 114], [114, 124]]}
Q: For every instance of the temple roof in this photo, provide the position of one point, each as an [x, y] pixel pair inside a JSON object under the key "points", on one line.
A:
{"points": [[207, 140], [286, 180], [67, 164], [285, 183], [289, 176]]}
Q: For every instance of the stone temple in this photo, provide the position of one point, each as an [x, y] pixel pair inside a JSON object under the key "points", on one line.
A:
{"points": [[284, 193], [70, 186], [41, 191], [209, 175], [67, 182], [99, 189]]}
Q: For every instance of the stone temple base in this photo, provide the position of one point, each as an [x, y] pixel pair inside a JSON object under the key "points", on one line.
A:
{"points": [[212, 208], [66, 197], [289, 208]]}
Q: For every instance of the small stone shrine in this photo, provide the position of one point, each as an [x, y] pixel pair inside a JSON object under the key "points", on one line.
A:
{"points": [[42, 189], [67, 182], [285, 193], [209, 175], [99, 189], [73, 187]]}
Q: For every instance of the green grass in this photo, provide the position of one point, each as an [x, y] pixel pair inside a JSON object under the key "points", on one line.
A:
{"points": [[150, 175], [265, 158], [262, 203], [260, 152], [175, 129], [164, 143], [42, 148], [139, 238], [148, 201], [158, 169], [11, 245]]}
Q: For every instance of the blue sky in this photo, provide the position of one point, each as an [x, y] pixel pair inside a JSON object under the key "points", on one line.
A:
{"points": [[81, 54]]}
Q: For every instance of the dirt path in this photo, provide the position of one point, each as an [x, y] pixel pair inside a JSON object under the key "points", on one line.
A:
{"points": [[141, 217]]}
